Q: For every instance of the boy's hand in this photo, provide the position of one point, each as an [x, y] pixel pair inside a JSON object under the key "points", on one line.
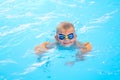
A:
{"points": [[41, 48], [87, 47]]}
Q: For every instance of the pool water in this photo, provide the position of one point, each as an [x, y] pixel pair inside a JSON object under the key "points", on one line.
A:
{"points": [[25, 24]]}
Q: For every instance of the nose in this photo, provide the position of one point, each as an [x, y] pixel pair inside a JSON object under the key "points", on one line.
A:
{"points": [[66, 37]]}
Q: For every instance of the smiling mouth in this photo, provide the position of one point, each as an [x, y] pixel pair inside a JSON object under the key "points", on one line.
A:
{"points": [[66, 43]]}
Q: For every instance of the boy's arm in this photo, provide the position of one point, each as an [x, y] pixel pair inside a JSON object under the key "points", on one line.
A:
{"points": [[51, 45], [80, 55], [42, 48], [87, 47], [84, 47]]}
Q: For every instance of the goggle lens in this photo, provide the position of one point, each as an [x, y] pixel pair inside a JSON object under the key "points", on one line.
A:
{"points": [[69, 36]]}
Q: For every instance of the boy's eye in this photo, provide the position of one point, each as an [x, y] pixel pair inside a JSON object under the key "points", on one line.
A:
{"points": [[61, 36], [71, 36]]}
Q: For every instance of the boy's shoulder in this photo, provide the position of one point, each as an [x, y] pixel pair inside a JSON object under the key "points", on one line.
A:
{"points": [[79, 44]]}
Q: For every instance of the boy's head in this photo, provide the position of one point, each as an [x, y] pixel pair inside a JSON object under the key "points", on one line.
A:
{"points": [[65, 34]]}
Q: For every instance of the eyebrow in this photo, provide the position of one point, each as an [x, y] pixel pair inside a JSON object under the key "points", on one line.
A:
{"points": [[68, 34]]}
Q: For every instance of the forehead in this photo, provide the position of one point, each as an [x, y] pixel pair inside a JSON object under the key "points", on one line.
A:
{"points": [[66, 31]]}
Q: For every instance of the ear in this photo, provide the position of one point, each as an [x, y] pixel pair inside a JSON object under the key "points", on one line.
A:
{"points": [[56, 37], [75, 36]]}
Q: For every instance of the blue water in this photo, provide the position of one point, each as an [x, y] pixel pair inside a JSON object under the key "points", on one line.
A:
{"points": [[27, 23]]}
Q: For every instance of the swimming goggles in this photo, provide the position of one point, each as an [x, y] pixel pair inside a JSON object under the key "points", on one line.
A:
{"points": [[69, 36]]}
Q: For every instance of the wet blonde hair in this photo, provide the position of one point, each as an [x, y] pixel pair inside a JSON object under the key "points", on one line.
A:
{"points": [[64, 26]]}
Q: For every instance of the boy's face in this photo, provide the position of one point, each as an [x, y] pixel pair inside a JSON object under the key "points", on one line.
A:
{"points": [[66, 37]]}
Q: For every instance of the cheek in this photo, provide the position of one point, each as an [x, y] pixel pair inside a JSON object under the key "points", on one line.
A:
{"points": [[73, 40], [60, 41]]}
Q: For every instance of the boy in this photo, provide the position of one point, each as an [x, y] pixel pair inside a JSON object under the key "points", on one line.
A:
{"points": [[66, 37]]}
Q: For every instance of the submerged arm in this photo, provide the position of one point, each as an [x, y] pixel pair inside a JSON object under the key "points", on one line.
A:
{"points": [[82, 52]]}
